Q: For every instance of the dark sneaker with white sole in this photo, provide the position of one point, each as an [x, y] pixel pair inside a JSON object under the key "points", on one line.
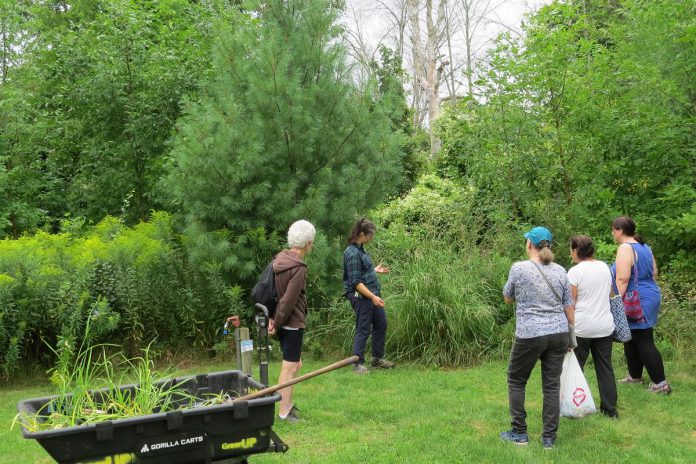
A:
{"points": [[518, 438], [548, 443], [291, 418], [381, 363]]}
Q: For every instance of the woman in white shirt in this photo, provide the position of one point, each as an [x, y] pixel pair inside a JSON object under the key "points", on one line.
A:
{"points": [[590, 285]]}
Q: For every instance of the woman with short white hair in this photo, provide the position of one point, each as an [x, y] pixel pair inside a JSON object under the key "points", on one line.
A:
{"points": [[300, 234], [291, 312]]}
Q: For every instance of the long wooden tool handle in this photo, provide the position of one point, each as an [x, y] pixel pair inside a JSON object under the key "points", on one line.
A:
{"points": [[280, 386]]}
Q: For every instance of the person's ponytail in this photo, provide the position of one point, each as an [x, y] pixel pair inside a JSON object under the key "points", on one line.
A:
{"points": [[362, 226], [546, 255]]}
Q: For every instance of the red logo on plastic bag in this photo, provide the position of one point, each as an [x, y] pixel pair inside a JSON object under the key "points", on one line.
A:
{"points": [[579, 396]]}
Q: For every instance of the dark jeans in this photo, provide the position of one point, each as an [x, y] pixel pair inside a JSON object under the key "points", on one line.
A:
{"points": [[601, 355], [368, 318], [551, 349], [641, 351]]}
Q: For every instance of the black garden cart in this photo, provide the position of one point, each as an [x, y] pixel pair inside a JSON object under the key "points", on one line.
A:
{"points": [[221, 433], [224, 433]]}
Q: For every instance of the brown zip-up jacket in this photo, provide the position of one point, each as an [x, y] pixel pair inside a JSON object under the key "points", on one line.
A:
{"points": [[290, 281]]}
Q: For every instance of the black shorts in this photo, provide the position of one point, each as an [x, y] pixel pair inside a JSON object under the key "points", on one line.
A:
{"points": [[291, 344]]}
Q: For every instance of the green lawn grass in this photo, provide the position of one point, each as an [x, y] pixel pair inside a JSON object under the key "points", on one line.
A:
{"points": [[414, 414]]}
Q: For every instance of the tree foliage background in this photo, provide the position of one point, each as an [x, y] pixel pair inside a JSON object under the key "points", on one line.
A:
{"points": [[91, 91], [591, 115], [237, 118]]}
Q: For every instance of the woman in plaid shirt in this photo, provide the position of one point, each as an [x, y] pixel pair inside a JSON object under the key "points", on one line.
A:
{"points": [[361, 287]]}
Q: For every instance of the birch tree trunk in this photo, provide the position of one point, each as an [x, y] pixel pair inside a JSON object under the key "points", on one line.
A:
{"points": [[427, 60], [418, 57], [435, 69]]}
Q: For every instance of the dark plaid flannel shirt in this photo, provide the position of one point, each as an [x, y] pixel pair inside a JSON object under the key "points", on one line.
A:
{"points": [[358, 268]]}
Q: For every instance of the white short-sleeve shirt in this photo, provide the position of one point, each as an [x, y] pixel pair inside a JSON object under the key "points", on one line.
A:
{"points": [[592, 313]]}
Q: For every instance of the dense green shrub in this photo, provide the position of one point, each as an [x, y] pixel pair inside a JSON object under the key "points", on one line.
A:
{"points": [[435, 206], [443, 293], [136, 283], [676, 328]]}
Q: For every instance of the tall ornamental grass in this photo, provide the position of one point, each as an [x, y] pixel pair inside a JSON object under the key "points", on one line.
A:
{"points": [[443, 294], [445, 307]]}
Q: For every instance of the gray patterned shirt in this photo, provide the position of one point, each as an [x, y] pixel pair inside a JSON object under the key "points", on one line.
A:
{"points": [[539, 311]]}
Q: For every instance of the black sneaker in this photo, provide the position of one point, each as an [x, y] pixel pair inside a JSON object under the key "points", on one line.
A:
{"points": [[518, 438], [609, 414], [548, 443], [291, 418], [381, 363]]}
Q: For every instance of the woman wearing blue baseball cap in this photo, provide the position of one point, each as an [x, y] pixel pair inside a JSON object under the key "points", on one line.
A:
{"points": [[544, 308]]}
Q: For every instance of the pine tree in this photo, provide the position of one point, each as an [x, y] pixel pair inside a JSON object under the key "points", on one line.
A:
{"points": [[280, 134]]}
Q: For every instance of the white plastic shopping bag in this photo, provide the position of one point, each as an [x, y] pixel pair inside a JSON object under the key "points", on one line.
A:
{"points": [[576, 399]]}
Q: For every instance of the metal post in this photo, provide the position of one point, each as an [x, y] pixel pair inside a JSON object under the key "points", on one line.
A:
{"points": [[262, 322]]}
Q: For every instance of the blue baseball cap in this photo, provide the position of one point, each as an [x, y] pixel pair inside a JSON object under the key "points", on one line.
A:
{"points": [[538, 235]]}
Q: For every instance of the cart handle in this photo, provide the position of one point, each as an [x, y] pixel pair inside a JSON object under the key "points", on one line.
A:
{"points": [[309, 375], [261, 309]]}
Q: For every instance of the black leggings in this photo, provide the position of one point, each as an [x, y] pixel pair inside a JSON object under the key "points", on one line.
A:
{"points": [[601, 355], [641, 352]]}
